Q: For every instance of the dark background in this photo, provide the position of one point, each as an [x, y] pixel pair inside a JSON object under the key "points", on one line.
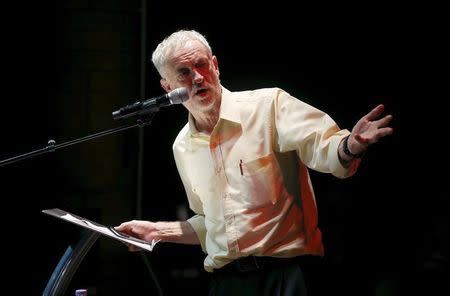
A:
{"points": [[68, 64]]}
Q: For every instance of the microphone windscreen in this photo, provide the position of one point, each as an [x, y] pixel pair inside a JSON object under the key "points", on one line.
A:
{"points": [[179, 95]]}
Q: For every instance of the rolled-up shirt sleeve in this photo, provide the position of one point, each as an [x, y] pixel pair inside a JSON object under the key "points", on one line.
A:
{"points": [[198, 223]]}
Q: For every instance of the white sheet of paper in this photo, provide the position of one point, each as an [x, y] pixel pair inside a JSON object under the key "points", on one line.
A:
{"points": [[100, 228]]}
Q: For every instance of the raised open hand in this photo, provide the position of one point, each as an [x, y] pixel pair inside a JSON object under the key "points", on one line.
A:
{"points": [[369, 129]]}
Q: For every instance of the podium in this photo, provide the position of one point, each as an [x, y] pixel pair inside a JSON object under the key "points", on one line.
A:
{"points": [[72, 257], [68, 264]]}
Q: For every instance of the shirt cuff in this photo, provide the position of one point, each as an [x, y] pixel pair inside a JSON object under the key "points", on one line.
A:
{"points": [[198, 224], [336, 167]]}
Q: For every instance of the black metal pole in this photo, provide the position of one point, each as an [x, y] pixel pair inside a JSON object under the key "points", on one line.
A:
{"points": [[141, 138]]}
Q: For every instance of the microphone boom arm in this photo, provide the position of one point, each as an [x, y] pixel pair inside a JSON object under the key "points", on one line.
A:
{"points": [[142, 121]]}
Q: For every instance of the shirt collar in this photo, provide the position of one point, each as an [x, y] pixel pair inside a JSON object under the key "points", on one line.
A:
{"points": [[228, 111], [228, 108]]}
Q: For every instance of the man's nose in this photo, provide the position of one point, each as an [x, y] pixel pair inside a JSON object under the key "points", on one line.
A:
{"points": [[197, 77]]}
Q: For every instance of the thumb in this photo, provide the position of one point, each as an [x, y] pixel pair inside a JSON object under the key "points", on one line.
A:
{"points": [[120, 227]]}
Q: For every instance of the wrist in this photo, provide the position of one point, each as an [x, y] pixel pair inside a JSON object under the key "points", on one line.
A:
{"points": [[347, 150]]}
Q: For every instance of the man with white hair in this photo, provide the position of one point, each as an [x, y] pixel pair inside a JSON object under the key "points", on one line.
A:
{"points": [[243, 158]]}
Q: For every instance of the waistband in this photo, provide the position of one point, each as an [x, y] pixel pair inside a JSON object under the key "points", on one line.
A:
{"points": [[257, 263]]}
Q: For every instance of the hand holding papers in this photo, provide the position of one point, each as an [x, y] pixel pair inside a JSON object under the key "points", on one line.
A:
{"points": [[106, 230]]}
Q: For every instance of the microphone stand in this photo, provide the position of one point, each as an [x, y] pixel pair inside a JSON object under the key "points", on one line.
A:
{"points": [[142, 121]]}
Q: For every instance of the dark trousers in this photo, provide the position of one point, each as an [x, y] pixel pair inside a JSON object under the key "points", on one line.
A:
{"points": [[259, 276]]}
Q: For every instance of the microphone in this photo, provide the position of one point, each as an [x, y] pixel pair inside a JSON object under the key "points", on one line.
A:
{"points": [[176, 96]]}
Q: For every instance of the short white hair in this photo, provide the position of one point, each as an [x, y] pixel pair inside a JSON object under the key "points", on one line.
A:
{"points": [[175, 41]]}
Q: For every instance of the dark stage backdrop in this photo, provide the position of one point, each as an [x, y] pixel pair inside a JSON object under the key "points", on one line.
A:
{"points": [[69, 64]]}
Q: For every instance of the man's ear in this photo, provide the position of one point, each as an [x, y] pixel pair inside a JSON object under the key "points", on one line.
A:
{"points": [[165, 85], [216, 64]]}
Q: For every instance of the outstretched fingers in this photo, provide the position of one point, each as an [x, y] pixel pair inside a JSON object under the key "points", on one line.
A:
{"points": [[382, 127], [380, 133], [383, 122], [385, 131], [375, 113]]}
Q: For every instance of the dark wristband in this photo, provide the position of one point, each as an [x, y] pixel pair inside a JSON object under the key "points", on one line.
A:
{"points": [[347, 151]]}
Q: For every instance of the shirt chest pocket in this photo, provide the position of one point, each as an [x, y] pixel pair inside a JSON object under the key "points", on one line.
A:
{"points": [[260, 181]]}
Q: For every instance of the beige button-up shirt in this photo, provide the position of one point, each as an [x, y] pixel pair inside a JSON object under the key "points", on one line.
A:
{"points": [[248, 182]]}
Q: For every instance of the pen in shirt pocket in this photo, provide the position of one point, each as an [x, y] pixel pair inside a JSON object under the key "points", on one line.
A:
{"points": [[240, 167]]}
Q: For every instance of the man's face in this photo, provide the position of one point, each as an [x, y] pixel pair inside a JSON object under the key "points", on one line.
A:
{"points": [[194, 68]]}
